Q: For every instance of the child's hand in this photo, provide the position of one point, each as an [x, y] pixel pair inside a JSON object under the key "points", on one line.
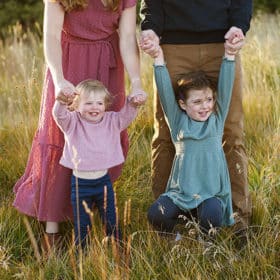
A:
{"points": [[65, 92], [235, 40], [149, 42], [138, 98]]}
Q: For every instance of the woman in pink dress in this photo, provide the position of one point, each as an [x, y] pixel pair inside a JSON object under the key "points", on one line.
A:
{"points": [[82, 39]]}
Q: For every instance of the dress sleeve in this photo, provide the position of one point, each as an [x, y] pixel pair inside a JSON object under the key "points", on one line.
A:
{"points": [[167, 96], [225, 85], [129, 3]]}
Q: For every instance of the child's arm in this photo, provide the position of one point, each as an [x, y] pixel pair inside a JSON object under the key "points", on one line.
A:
{"points": [[159, 60], [129, 111], [61, 115], [234, 42], [225, 84], [125, 116], [165, 91]]}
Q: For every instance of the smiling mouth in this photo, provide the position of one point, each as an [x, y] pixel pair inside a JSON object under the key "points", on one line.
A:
{"points": [[203, 113], [93, 114]]}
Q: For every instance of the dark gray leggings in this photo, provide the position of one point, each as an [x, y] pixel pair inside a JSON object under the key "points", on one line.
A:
{"points": [[163, 214]]}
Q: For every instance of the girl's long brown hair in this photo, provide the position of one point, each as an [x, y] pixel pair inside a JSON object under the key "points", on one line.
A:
{"points": [[70, 5]]}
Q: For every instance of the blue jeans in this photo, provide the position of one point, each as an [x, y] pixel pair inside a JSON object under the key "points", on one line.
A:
{"points": [[92, 192], [163, 214]]}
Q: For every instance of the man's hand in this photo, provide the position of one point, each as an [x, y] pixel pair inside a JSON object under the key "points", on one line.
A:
{"points": [[149, 42], [235, 40]]}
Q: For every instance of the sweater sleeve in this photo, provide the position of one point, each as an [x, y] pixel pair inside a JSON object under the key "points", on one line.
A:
{"points": [[152, 16], [225, 85], [125, 116], [62, 116], [167, 96], [240, 14]]}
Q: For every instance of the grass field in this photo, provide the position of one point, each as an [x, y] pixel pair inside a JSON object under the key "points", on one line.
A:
{"points": [[144, 255]]}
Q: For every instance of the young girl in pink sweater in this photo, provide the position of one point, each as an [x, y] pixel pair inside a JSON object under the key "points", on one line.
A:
{"points": [[92, 146]]}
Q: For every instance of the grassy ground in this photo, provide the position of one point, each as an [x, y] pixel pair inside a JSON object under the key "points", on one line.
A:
{"points": [[143, 254]]}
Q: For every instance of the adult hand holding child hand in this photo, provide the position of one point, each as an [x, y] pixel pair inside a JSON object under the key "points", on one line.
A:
{"points": [[137, 98], [235, 40], [65, 92], [149, 43]]}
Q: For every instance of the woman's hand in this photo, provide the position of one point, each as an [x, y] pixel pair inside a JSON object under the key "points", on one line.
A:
{"points": [[65, 92], [149, 43], [137, 98]]}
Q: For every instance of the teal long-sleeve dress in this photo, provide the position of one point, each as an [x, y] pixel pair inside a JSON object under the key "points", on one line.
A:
{"points": [[199, 168]]}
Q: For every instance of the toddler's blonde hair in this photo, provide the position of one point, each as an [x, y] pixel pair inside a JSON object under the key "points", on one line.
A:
{"points": [[88, 87]]}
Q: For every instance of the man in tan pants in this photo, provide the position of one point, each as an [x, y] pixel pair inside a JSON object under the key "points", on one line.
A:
{"points": [[186, 51]]}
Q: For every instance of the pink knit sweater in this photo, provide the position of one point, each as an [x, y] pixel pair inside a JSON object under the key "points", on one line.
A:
{"points": [[92, 146]]}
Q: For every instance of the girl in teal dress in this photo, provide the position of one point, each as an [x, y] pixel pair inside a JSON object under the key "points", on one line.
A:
{"points": [[199, 183]]}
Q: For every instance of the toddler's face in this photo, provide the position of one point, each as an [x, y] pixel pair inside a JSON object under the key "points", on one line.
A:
{"points": [[199, 104], [92, 107]]}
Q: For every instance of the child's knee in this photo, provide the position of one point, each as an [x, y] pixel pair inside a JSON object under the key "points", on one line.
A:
{"points": [[211, 213], [152, 213]]}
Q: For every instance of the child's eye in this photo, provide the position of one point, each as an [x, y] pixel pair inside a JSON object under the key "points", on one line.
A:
{"points": [[100, 103], [210, 99], [197, 102]]}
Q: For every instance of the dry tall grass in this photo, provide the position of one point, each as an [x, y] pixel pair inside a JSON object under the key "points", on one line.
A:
{"points": [[143, 254]]}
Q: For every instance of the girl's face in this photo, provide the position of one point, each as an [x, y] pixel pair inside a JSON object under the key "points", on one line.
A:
{"points": [[199, 105], [92, 107]]}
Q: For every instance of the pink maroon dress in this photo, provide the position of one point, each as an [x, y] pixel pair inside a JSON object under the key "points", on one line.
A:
{"points": [[90, 46]]}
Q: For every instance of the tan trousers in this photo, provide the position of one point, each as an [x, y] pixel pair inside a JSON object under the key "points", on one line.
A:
{"points": [[181, 59]]}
